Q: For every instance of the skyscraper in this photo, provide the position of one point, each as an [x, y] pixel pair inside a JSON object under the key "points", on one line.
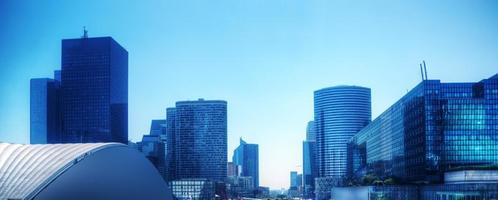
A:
{"points": [[293, 180], [94, 80], [201, 139], [45, 120], [247, 156], [171, 141], [310, 131], [309, 161], [340, 112]]}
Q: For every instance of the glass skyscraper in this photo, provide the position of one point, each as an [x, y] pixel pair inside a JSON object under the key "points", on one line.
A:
{"points": [[45, 120], [247, 156], [94, 81], [340, 112], [200, 135], [309, 161], [436, 127]]}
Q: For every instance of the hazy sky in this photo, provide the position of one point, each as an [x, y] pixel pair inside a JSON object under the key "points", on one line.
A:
{"points": [[264, 57]]}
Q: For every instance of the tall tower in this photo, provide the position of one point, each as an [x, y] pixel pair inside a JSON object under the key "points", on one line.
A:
{"points": [[201, 139], [247, 156], [94, 79], [340, 112], [45, 119]]}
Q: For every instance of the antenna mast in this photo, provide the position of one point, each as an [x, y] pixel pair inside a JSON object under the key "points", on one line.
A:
{"points": [[85, 32], [421, 72], [425, 70]]}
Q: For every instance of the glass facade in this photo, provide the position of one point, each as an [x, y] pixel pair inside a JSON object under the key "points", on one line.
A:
{"points": [[200, 139], [247, 157], [340, 112], [193, 189], [45, 120], [170, 140], [158, 127], [94, 79], [434, 128], [309, 168]]}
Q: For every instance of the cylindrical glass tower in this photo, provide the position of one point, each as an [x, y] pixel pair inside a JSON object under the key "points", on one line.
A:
{"points": [[340, 112]]}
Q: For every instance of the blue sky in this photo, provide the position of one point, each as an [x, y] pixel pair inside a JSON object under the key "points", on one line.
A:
{"points": [[264, 57]]}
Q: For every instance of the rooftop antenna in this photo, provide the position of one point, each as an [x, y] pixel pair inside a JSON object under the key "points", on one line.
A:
{"points": [[425, 70], [85, 32], [421, 72]]}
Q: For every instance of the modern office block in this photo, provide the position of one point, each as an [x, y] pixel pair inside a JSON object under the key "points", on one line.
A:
{"points": [[201, 139], [340, 112], [45, 119], [94, 81], [247, 157], [434, 128]]}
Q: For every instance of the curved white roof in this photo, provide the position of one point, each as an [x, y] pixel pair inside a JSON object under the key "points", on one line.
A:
{"points": [[26, 169]]}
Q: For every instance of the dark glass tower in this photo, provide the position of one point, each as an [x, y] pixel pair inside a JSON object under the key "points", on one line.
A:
{"points": [[247, 156], [201, 139], [171, 141], [94, 81], [45, 120]]}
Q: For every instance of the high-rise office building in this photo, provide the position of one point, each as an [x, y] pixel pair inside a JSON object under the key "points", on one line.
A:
{"points": [[340, 112], [201, 139], [310, 131], [45, 119], [309, 161], [436, 127], [247, 157], [170, 142], [94, 81], [293, 180]]}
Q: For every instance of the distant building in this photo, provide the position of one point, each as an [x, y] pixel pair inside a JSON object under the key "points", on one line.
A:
{"points": [[45, 119], [171, 141], [293, 179], [94, 81], [200, 143], [240, 186], [154, 148], [158, 127], [232, 169], [311, 131], [310, 170], [193, 189], [247, 157]]}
